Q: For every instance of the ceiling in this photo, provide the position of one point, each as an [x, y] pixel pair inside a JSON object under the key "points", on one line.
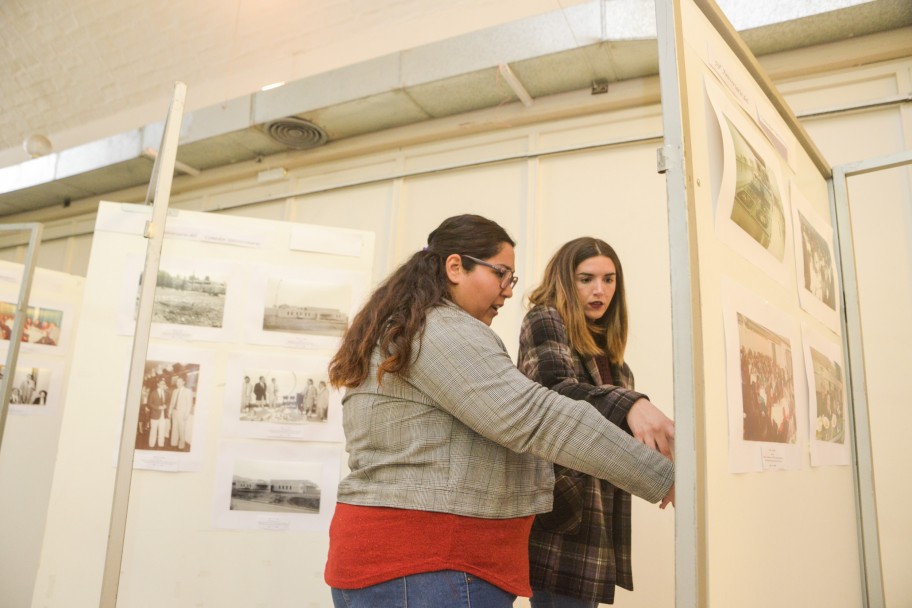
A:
{"points": [[435, 81]]}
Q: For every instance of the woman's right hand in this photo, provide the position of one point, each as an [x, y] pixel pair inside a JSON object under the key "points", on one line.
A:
{"points": [[669, 498]]}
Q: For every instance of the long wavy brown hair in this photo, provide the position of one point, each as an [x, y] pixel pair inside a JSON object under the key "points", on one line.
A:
{"points": [[396, 311], [607, 335]]}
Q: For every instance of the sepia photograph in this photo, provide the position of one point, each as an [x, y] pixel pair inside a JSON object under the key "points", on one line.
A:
{"points": [[31, 386], [42, 325], [767, 384], [758, 208], [827, 399], [188, 296], [281, 396], [819, 271], [284, 397], [816, 273], [275, 486], [829, 394], [168, 406], [751, 207], [302, 307]]}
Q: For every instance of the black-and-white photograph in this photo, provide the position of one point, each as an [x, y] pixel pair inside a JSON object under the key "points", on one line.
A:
{"points": [[830, 395], [767, 384], [819, 273], [284, 397], [306, 308], [167, 407], [189, 295], [275, 486], [31, 386], [757, 208], [42, 325]]}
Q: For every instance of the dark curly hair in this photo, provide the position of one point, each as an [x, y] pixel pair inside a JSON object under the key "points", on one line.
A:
{"points": [[396, 311]]}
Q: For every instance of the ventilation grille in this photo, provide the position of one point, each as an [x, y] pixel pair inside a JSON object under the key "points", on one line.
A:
{"points": [[296, 133]]}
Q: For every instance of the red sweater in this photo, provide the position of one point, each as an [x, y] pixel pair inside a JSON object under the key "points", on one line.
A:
{"points": [[371, 545]]}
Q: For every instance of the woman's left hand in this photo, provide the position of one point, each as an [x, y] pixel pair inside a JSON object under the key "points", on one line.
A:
{"points": [[650, 426]]}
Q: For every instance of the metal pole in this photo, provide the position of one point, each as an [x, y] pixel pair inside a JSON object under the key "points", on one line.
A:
{"points": [[685, 326], [155, 232], [15, 339]]}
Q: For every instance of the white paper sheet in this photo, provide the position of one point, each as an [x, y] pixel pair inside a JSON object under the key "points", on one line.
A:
{"points": [[275, 487], [173, 445], [767, 407], [295, 401], [301, 307], [48, 324], [37, 385], [128, 218], [751, 205], [195, 299], [827, 400], [815, 263], [316, 239]]}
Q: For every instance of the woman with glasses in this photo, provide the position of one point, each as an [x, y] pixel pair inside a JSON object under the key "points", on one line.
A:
{"points": [[449, 444], [572, 341]]}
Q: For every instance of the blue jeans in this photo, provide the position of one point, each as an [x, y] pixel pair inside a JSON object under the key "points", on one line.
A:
{"points": [[442, 589], [547, 599]]}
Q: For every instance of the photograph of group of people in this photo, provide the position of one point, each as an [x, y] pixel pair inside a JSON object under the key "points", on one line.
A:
{"points": [[763, 216], [819, 271], [830, 397], [767, 384], [167, 406], [42, 325], [30, 386], [284, 397]]}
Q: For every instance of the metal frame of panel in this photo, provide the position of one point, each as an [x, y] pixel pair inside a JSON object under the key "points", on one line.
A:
{"points": [[15, 340], [160, 192], [690, 521], [862, 461]]}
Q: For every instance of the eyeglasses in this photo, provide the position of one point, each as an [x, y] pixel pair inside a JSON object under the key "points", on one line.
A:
{"points": [[507, 278]]}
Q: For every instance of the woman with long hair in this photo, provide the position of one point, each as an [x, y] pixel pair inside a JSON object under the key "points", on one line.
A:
{"points": [[572, 341], [449, 444]]}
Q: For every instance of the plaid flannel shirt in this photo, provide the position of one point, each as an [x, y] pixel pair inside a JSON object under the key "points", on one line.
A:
{"points": [[466, 433], [582, 548]]}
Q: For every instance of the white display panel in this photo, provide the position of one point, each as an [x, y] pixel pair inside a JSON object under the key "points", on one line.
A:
{"points": [[740, 146], [189, 428], [33, 423]]}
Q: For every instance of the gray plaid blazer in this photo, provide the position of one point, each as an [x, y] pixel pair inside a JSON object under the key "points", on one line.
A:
{"points": [[466, 433]]}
